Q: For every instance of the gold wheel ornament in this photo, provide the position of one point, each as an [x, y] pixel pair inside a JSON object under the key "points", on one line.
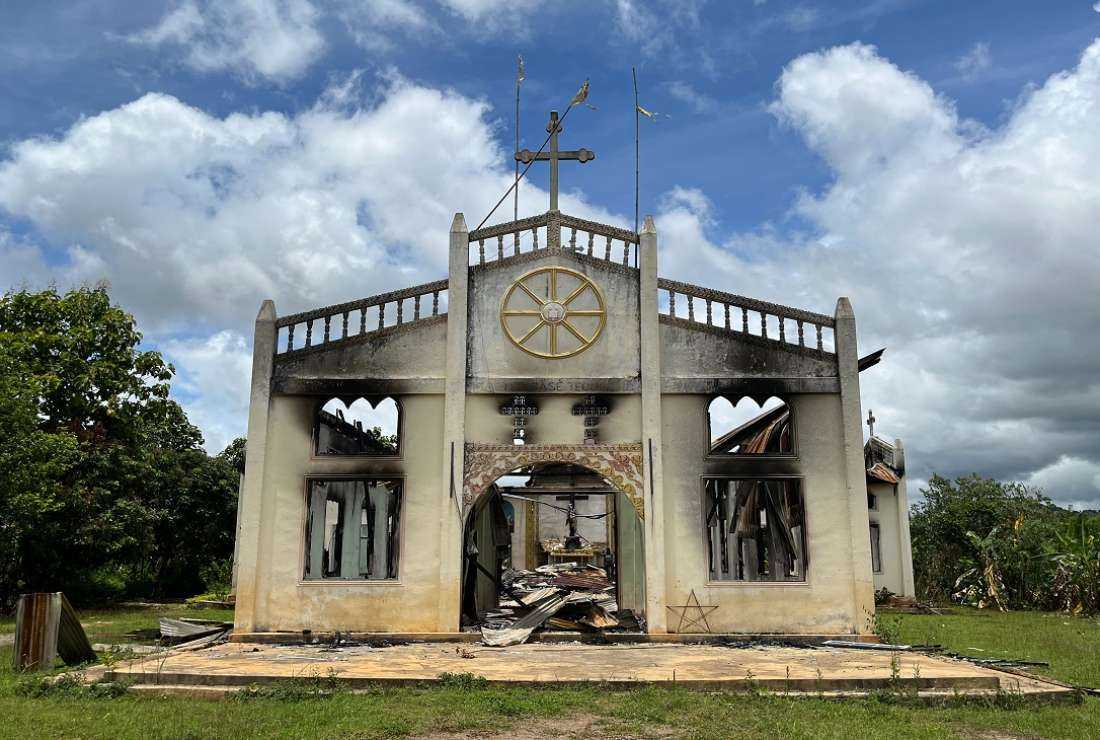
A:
{"points": [[553, 312]]}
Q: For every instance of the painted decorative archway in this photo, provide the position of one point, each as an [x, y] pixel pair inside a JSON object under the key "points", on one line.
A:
{"points": [[620, 464]]}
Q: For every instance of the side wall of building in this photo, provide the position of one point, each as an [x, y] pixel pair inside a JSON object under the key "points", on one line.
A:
{"points": [[825, 603], [885, 514], [892, 516], [286, 602]]}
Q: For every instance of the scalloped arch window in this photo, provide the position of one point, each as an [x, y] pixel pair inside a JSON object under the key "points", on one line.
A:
{"points": [[750, 428], [361, 427]]}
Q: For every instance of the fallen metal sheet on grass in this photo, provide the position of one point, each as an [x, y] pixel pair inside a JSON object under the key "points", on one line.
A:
{"points": [[190, 628], [865, 645]]}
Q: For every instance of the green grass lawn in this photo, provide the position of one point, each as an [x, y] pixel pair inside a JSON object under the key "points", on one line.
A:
{"points": [[462, 710], [1070, 644]]}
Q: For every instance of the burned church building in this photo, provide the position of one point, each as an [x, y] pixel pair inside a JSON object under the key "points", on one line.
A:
{"points": [[554, 412]]}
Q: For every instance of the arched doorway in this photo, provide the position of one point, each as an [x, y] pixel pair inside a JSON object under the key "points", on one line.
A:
{"points": [[554, 529]]}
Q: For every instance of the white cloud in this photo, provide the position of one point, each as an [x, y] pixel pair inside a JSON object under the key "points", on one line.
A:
{"points": [[655, 28], [494, 13], [1071, 481], [801, 18], [194, 219], [686, 93], [274, 39], [969, 253], [212, 383], [373, 23], [1096, 7], [978, 59]]}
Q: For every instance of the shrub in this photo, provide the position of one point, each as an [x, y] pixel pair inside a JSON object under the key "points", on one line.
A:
{"points": [[217, 576], [989, 544]]}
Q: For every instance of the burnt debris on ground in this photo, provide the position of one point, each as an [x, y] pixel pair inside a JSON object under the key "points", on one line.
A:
{"points": [[565, 597]]}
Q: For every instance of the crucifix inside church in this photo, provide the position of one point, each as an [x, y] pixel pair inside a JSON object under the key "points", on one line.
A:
{"points": [[553, 156]]}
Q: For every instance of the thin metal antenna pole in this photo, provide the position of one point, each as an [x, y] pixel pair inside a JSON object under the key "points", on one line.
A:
{"points": [[637, 149], [515, 207]]}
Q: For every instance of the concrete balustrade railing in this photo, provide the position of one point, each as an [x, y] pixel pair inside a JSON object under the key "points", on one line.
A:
{"points": [[545, 232], [741, 314], [323, 327]]}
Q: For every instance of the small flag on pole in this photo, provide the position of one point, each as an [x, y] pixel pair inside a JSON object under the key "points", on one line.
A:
{"points": [[581, 96], [650, 114], [521, 73]]}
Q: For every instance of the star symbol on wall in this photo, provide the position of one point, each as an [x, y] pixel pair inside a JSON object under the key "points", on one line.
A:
{"points": [[701, 610]]}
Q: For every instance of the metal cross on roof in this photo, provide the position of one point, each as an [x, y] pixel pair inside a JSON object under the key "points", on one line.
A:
{"points": [[553, 156], [871, 421]]}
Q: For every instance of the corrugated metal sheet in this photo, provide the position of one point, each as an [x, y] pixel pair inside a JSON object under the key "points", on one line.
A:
{"points": [[47, 626], [881, 472]]}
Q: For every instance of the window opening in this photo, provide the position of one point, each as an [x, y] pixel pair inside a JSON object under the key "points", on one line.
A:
{"points": [[353, 529], [876, 548], [755, 530], [357, 429], [749, 428]]}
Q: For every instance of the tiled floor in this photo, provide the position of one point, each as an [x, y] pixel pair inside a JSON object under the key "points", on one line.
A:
{"points": [[695, 666]]}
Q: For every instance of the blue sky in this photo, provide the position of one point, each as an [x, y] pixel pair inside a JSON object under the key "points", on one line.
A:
{"points": [[62, 61], [932, 160]]}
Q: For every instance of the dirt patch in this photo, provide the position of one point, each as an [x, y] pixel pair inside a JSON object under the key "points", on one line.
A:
{"points": [[995, 735], [574, 727]]}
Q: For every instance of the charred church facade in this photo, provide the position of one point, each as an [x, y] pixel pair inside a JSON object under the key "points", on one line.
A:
{"points": [[552, 363]]}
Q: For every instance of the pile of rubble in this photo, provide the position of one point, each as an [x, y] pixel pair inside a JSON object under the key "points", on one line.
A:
{"points": [[564, 596]]}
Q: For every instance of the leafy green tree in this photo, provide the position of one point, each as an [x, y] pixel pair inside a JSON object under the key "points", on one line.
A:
{"points": [[234, 454], [941, 523], [1075, 554], [105, 489], [1004, 545], [33, 465], [83, 354]]}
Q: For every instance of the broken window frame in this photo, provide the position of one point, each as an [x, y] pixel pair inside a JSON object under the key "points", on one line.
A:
{"points": [[711, 441], [315, 436], [354, 550], [876, 546], [740, 572]]}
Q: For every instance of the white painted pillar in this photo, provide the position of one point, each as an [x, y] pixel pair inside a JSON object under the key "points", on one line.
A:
{"points": [[905, 543], [237, 537], [847, 354], [653, 489], [252, 492], [454, 429]]}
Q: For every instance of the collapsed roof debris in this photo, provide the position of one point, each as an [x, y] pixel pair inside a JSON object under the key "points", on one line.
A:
{"points": [[564, 596]]}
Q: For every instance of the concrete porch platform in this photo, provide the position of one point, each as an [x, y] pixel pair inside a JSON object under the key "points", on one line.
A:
{"points": [[541, 636], [705, 667]]}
